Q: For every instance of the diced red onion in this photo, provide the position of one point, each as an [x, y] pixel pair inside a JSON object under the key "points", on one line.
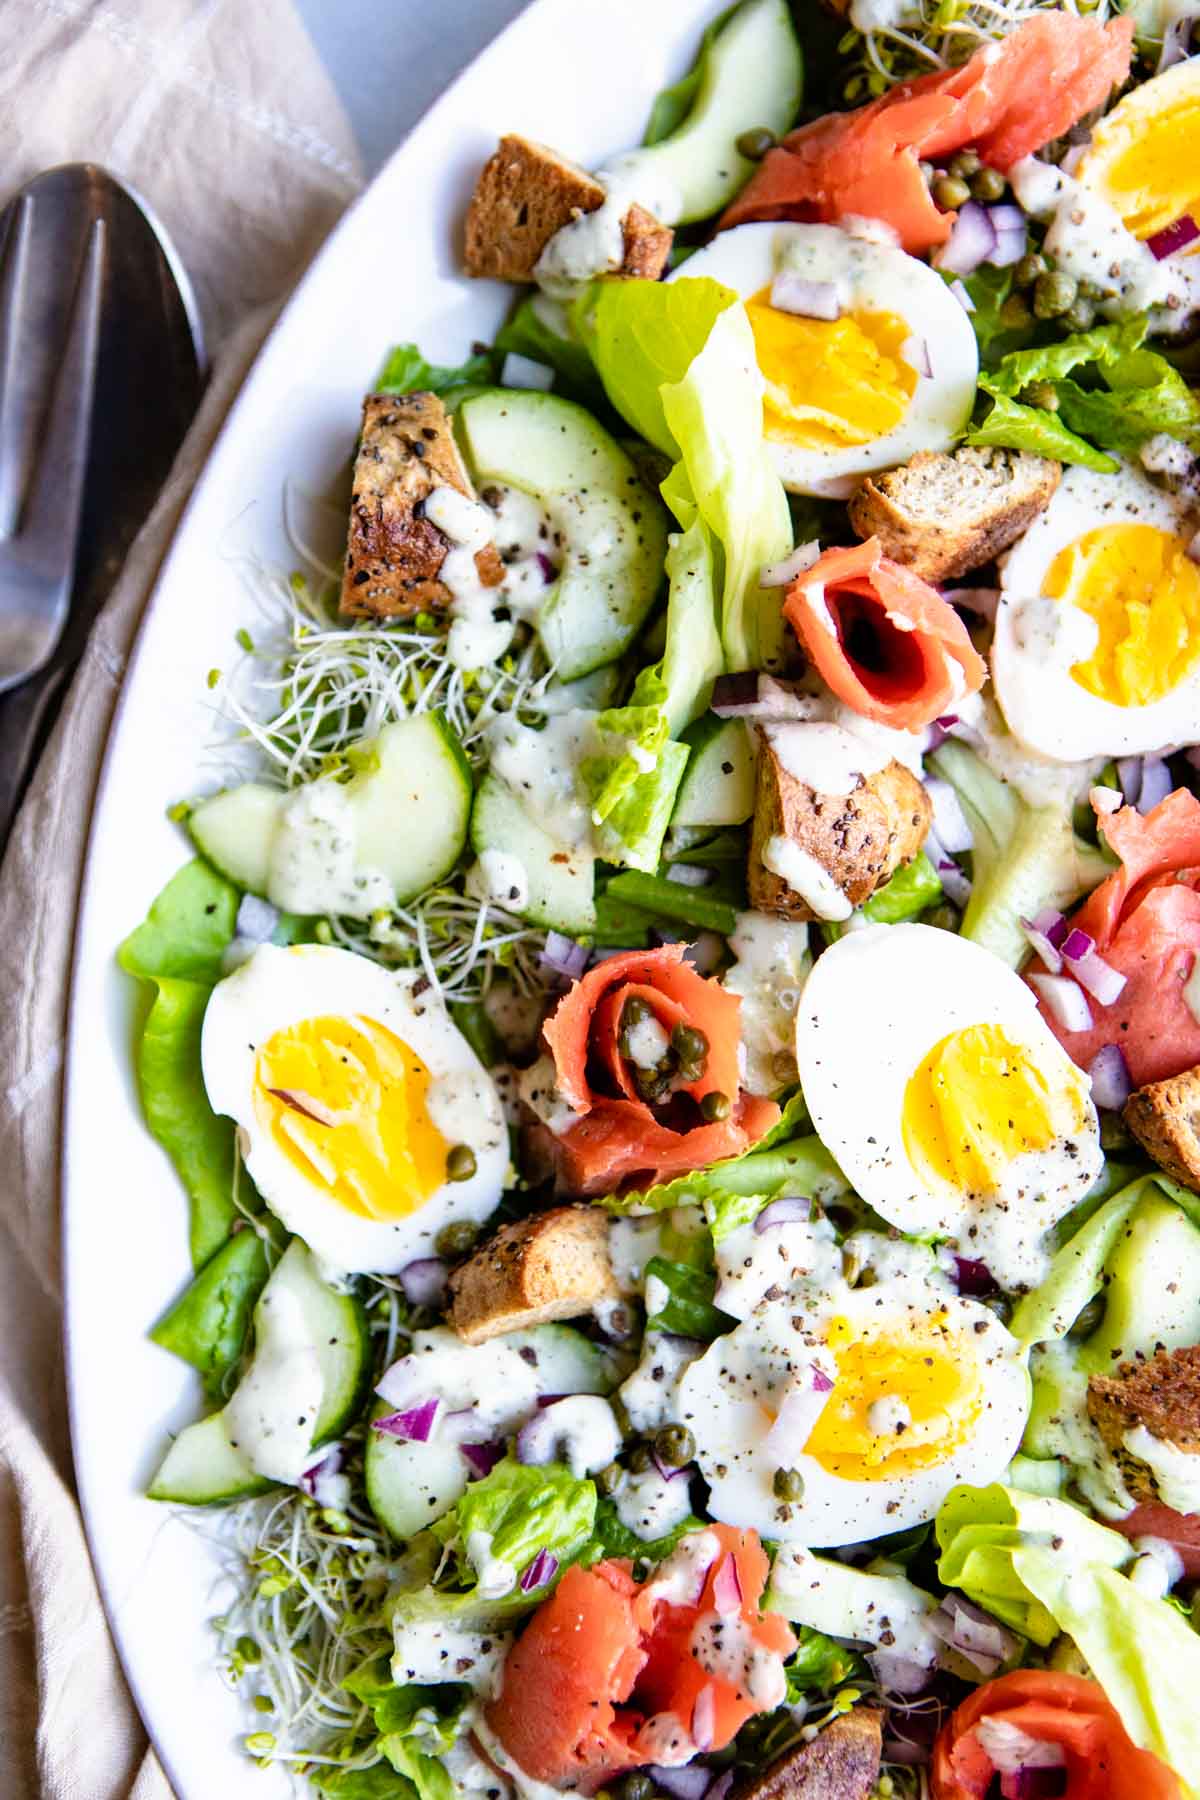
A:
{"points": [[256, 919], [1064, 1000], [822, 1383], [1129, 774], [956, 884], [670, 1471], [1009, 224], [1173, 237], [307, 1104], [799, 1410], [1076, 944], [414, 1424], [316, 1480], [682, 1782], [1034, 1784], [792, 292], [984, 602], [706, 952], [517, 371], [1156, 784], [1053, 924], [1104, 983], [405, 1383], [564, 956], [727, 1587], [542, 1569], [973, 1633], [483, 1457], [899, 1673], [1109, 1075], [949, 819], [971, 242], [915, 352], [734, 694], [788, 1211], [549, 572], [973, 1277], [782, 574], [1105, 799], [704, 1717], [424, 1281], [961, 295], [1043, 945]]}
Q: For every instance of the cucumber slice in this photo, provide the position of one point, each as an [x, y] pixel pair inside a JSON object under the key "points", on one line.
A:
{"points": [[420, 777], [560, 879], [202, 1467], [718, 785], [612, 528], [752, 75], [410, 1485]]}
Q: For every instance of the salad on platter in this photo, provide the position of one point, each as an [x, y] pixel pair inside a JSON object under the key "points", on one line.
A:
{"points": [[681, 1028]]}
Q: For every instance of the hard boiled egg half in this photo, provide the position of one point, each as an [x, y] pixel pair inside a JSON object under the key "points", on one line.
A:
{"points": [[357, 1102], [949, 1105], [1143, 158], [866, 355], [838, 1412], [1097, 643]]}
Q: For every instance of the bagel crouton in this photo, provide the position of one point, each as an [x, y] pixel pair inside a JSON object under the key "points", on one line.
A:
{"points": [[1164, 1117], [849, 844], [1163, 1394], [393, 553], [841, 1763], [944, 514], [554, 1265], [527, 192]]}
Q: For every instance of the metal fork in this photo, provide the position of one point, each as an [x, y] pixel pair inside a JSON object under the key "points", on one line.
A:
{"points": [[45, 425]]}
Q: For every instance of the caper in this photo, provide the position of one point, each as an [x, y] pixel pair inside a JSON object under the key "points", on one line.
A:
{"points": [[635, 1787], [1053, 294], [950, 192], [641, 1459], [634, 1011], [1014, 314], [988, 185], [788, 1484], [754, 144], [965, 164], [1043, 394], [1089, 1319], [1028, 269], [690, 1046], [1090, 290], [716, 1106], [1080, 316], [611, 1478], [460, 1162], [1113, 1135], [456, 1239], [675, 1446]]}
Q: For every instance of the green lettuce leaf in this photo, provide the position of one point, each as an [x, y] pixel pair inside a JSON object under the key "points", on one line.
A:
{"points": [[643, 335], [726, 476], [413, 1725], [820, 1664], [524, 1510], [688, 1310], [189, 927], [800, 1166], [406, 371], [614, 1539], [673, 902], [1042, 433], [1025, 857], [989, 288], [527, 333], [209, 1325], [908, 892], [637, 824]]}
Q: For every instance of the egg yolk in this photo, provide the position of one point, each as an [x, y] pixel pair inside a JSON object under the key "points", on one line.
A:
{"points": [[1144, 158], [902, 1400], [830, 382], [1143, 591], [978, 1101], [345, 1101]]}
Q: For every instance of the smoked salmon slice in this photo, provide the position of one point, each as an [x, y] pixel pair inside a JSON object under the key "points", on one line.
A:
{"points": [[608, 1675], [882, 639], [618, 1134], [1009, 100], [1145, 921]]}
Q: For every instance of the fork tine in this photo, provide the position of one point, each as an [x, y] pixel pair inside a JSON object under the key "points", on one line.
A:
{"points": [[54, 504], [14, 432]]}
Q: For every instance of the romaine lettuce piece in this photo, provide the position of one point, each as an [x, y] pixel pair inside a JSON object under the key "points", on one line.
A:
{"points": [[737, 1189], [529, 333], [1025, 857], [687, 1309], [406, 371]]}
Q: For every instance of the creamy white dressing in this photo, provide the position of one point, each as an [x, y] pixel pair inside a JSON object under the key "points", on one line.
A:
{"points": [[435, 1650], [1070, 1434], [494, 1379], [1013, 1750], [631, 1244], [727, 1649], [538, 1088], [650, 1506], [754, 1264], [499, 879], [826, 757], [650, 1395], [648, 1043], [593, 243], [272, 1413], [463, 1107], [472, 1773], [772, 966], [476, 638], [679, 1578], [542, 769], [494, 1576], [527, 1787], [586, 1435], [313, 866], [806, 877], [1154, 1549], [1176, 1472], [1039, 780]]}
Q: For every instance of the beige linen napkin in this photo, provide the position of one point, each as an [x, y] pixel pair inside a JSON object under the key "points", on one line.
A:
{"points": [[218, 113]]}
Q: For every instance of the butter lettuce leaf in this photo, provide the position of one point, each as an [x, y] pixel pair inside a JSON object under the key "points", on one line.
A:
{"points": [[735, 1190], [1015, 427], [643, 335], [209, 1325]]}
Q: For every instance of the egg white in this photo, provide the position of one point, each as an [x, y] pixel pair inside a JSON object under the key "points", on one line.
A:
{"points": [[280, 988], [869, 277], [730, 1398], [1038, 640], [875, 1004]]}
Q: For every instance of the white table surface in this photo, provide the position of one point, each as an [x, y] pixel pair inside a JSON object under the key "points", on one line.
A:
{"points": [[390, 59]]}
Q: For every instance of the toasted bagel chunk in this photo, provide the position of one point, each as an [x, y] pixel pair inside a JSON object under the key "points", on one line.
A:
{"points": [[946, 513], [554, 1265]]}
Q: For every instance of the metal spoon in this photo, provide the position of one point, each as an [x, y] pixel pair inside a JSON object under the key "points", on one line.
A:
{"points": [[101, 372]]}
